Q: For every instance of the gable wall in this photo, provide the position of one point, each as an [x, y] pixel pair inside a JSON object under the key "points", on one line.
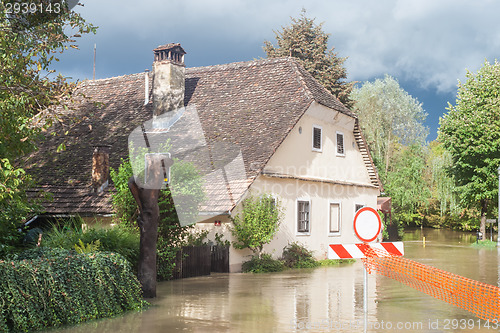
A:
{"points": [[295, 156]]}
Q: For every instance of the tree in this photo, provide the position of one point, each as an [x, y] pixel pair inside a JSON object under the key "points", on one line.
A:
{"points": [[27, 92], [257, 224], [470, 131], [388, 116], [161, 234], [406, 184], [306, 41], [28, 95], [441, 183]]}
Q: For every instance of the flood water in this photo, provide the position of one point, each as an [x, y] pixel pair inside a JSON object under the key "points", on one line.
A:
{"points": [[325, 299]]}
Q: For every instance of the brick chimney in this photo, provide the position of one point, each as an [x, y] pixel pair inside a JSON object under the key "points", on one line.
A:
{"points": [[100, 168], [168, 78]]}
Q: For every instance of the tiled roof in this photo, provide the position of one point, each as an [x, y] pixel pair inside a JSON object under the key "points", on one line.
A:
{"points": [[74, 199], [251, 104]]}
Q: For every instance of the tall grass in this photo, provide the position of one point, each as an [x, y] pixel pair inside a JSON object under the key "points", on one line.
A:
{"points": [[120, 239]]}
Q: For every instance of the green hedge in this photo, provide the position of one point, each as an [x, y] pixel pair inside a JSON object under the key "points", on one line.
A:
{"points": [[45, 287]]}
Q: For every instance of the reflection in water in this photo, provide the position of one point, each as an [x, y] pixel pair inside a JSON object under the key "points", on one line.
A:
{"points": [[314, 300]]}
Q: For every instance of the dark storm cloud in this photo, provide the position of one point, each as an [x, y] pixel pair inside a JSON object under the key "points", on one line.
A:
{"points": [[426, 44]]}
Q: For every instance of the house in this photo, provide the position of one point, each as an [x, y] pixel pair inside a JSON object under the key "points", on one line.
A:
{"points": [[297, 142]]}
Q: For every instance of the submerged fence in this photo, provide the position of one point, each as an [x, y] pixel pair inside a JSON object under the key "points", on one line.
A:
{"points": [[481, 299], [194, 261]]}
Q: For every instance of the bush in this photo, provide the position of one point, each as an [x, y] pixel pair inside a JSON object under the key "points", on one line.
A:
{"points": [[121, 239], [257, 224], [263, 264], [45, 287], [296, 255]]}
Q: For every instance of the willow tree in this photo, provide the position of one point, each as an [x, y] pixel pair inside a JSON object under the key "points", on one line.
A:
{"points": [[470, 131], [406, 183], [307, 41], [388, 116]]}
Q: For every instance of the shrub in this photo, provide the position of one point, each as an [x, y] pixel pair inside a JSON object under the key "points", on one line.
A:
{"points": [[121, 239], [257, 224], [46, 287], [296, 255], [263, 264]]}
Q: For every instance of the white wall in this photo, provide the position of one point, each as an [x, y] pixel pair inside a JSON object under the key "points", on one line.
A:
{"points": [[295, 155], [296, 159]]}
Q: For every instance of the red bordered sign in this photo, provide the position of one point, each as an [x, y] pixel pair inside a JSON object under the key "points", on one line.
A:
{"points": [[367, 224]]}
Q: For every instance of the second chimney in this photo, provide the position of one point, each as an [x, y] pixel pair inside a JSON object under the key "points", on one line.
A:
{"points": [[168, 78], [100, 168]]}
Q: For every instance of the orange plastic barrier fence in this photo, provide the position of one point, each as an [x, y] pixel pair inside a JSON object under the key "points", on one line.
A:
{"points": [[481, 299]]}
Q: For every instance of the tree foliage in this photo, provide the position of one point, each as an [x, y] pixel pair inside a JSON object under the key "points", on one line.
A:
{"points": [[406, 184], [388, 116], [470, 131], [28, 96], [306, 41], [257, 224], [441, 183]]}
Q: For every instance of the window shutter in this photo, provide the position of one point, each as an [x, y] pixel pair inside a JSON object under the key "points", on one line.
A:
{"points": [[316, 138], [340, 143]]}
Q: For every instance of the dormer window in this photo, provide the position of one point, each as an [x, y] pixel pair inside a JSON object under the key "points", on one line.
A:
{"points": [[316, 138], [340, 144]]}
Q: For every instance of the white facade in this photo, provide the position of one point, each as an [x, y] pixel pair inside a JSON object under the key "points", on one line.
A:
{"points": [[318, 167]]}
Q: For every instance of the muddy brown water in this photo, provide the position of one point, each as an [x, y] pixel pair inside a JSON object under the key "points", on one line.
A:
{"points": [[325, 299]]}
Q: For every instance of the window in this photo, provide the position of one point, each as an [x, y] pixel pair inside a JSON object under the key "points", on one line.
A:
{"points": [[316, 139], [334, 218], [303, 216], [340, 144], [358, 207]]}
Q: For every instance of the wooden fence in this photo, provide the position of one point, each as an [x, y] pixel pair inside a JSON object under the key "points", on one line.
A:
{"points": [[220, 259], [200, 260]]}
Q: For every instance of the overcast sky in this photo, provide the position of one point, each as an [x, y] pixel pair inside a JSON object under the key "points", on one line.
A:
{"points": [[426, 44]]}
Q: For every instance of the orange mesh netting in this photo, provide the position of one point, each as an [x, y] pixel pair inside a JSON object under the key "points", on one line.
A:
{"points": [[482, 299]]}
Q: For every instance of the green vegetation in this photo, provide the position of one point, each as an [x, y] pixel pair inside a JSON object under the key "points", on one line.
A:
{"points": [[307, 42], [294, 255], [335, 262], [28, 97], [263, 264], [171, 235], [485, 244], [406, 184], [87, 248], [119, 239], [470, 132], [257, 224], [391, 119], [451, 182], [45, 287]]}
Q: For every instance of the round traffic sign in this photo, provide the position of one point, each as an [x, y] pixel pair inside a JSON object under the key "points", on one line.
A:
{"points": [[367, 224]]}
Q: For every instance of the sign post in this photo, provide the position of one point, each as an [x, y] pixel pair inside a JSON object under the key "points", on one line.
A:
{"points": [[367, 225]]}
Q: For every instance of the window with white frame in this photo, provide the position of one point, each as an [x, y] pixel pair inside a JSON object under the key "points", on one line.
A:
{"points": [[303, 215], [317, 138], [340, 144], [334, 225]]}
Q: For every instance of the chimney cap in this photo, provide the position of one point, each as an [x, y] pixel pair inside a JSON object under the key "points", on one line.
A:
{"points": [[176, 47]]}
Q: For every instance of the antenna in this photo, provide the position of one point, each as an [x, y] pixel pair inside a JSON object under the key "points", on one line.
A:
{"points": [[93, 73]]}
